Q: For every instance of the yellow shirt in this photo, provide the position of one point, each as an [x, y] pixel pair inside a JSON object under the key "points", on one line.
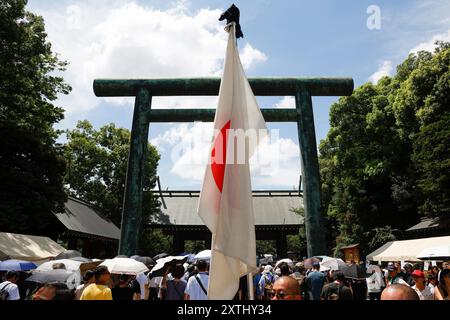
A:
{"points": [[96, 292]]}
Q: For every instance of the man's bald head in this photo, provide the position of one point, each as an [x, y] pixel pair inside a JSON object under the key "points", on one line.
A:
{"points": [[399, 292], [289, 286]]}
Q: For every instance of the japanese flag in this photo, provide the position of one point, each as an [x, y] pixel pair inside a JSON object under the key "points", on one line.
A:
{"points": [[225, 203]]}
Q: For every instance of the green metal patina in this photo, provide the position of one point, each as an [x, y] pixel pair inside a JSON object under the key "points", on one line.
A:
{"points": [[144, 89]]}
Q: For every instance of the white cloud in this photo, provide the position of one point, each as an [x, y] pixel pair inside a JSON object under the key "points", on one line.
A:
{"points": [[251, 56], [124, 39], [276, 162], [430, 44], [286, 102], [189, 154], [385, 69]]}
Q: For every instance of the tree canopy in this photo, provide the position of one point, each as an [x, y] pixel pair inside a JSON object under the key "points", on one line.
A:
{"points": [[386, 159], [97, 166], [31, 168]]}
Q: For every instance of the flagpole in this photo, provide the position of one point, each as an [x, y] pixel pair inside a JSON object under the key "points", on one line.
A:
{"points": [[251, 292]]}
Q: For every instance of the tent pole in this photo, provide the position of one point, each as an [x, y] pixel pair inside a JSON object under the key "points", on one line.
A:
{"points": [[251, 293]]}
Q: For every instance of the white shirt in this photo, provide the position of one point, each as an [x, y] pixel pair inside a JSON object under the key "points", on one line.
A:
{"points": [[12, 289], [193, 288], [374, 282], [426, 294], [431, 288], [142, 279], [154, 282]]}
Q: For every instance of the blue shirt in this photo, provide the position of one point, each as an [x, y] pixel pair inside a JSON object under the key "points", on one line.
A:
{"points": [[315, 282], [175, 290], [256, 280]]}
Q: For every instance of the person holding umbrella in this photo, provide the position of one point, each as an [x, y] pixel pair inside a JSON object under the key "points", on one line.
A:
{"points": [[173, 289], [100, 289], [9, 289], [126, 289]]}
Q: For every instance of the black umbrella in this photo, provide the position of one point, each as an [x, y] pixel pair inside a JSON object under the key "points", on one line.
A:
{"points": [[81, 259], [354, 272], [161, 267], [160, 256], [68, 254], [149, 262]]}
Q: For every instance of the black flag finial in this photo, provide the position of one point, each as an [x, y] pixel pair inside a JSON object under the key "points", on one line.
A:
{"points": [[233, 15]]}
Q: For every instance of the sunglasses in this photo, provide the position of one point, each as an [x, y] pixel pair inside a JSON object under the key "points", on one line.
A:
{"points": [[279, 294]]}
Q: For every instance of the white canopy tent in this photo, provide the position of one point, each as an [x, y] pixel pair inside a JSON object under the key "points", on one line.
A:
{"points": [[28, 248], [406, 250]]}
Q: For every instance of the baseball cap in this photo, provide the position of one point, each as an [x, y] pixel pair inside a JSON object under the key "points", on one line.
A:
{"points": [[418, 273]]}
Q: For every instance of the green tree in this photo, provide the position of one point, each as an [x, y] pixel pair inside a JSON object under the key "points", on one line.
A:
{"points": [[386, 154], [430, 82], [97, 166], [30, 81]]}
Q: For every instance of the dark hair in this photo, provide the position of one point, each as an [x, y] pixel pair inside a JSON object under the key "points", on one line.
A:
{"points": [[99, 271], [417, 266], [284, 269], [202, 265], [408, 266], [177, 271], [88, 275], [339, 276], [64, 294], [442, 275], [299, 268], [12, 274], [123, 278]]}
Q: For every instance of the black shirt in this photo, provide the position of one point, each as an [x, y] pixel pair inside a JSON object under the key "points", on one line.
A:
{"points": [[126, 293], [341, 292]]}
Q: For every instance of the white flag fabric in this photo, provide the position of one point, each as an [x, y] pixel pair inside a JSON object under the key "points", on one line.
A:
{"points": [[225, 203]]}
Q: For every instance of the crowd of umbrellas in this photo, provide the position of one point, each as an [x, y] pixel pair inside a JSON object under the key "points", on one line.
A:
{"points": [[74, 266]]}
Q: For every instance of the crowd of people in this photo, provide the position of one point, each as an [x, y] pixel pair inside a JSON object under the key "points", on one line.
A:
{"points": [[282, 281], [392, 283]]}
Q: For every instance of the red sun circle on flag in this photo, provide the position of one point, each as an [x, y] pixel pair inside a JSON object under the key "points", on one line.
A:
{"points": [[219, 155]]}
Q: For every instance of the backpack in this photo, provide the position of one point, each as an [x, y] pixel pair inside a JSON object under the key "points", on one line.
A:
{"points": [[4, 295], [268, 283], [334, 292]]}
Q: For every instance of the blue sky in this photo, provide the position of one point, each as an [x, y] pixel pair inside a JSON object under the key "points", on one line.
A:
{"points": [[183, 38]]}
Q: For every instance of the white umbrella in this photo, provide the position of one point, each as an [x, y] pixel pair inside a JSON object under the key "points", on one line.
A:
{"points": [[71, 265], [190, 257], [323, 268], [435, 253], [203, 255], [288, 261], [70, 278], [124, 266], [78, 268], [333, 263]]}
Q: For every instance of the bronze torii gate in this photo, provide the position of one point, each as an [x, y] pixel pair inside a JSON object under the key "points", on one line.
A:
{"points": [[302, 88]]}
